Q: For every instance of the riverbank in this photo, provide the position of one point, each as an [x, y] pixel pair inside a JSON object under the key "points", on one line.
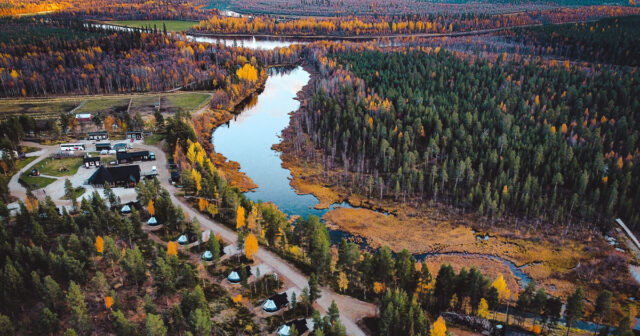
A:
{"points": [[423, 226], [208, 120]]}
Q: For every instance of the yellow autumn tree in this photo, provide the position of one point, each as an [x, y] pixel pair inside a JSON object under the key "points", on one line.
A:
{"points": [[203, 204], [191, 153], [108, 301], [237, 298], [240, 217], [247, 73], [503, 291], [439, 327], [378, 287], [483, 308], [172, 248], [343, 282], [99, 244], [620, 163], [150, 208], [250, 246], [564, 129], [197, 177]]}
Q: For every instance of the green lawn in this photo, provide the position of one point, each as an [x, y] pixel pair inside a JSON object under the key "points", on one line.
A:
{"points": [[21, 163], [172, 25], [53, 166], [103, 104], [152, 140], [188, 101], [77, 192], [34, 108], [35, 182]]}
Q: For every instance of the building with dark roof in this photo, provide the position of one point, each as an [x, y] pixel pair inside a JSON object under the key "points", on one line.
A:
{"points": [[123, 176], [124, 157], [99, 135], [91, 161], [103, 146], [134, 135]]}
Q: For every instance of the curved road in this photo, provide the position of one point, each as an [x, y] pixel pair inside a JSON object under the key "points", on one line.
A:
{"points": [[351, 310]]}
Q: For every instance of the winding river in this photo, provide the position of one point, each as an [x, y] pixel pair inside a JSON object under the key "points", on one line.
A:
{"points": [[247, 139]]}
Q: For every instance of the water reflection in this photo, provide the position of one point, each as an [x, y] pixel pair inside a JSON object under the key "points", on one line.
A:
{"points": [[248, 138]]}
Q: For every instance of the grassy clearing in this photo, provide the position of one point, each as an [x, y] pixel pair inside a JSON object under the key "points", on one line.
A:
{"points": [[188, 101], [59, 167], [22, 163], [77, 192], [35, 182], [35, 108], [145, 104], [153, 139], [103, 105], [172, 25]]}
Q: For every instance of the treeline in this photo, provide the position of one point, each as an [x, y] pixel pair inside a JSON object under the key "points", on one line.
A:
{"points": [[406, 24], [613, 40], [512, 137], [103, 62], [88, 272], [112, 10], [396, 7], [34, 63]]}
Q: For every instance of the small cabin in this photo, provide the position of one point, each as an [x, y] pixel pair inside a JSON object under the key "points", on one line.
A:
{"points": [[91, 161], [136, 135], [99, 135]]}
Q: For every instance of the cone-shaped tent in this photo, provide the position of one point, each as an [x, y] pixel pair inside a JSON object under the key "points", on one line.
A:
{"points": [[207, 256]]}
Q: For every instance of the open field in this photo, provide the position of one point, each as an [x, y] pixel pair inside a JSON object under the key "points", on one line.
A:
{"points": [[38, 109], [60, 167], [172, 25], [145, 104]]}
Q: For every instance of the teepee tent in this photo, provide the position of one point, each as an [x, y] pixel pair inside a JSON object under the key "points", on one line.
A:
{"points": [[125, 209], [207, 256], [152, 221], [285, 330], [183, 239], [269, 306], [233, 277]]}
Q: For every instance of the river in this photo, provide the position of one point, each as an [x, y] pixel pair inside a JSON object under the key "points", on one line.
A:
{"points": [[247, 139]]}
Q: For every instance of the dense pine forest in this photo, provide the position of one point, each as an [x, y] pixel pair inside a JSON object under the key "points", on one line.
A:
{"points": [[512, 137], [612, 41]]}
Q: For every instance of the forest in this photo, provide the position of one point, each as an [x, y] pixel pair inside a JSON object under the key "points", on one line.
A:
{"points": [[505, 138], [396, 7], [405, 24], [404, 288], [110, 10], [62, 57], [611, 41]]}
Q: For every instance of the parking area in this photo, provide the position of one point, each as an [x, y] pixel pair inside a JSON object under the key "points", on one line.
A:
{"points": [[56, 189]]}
